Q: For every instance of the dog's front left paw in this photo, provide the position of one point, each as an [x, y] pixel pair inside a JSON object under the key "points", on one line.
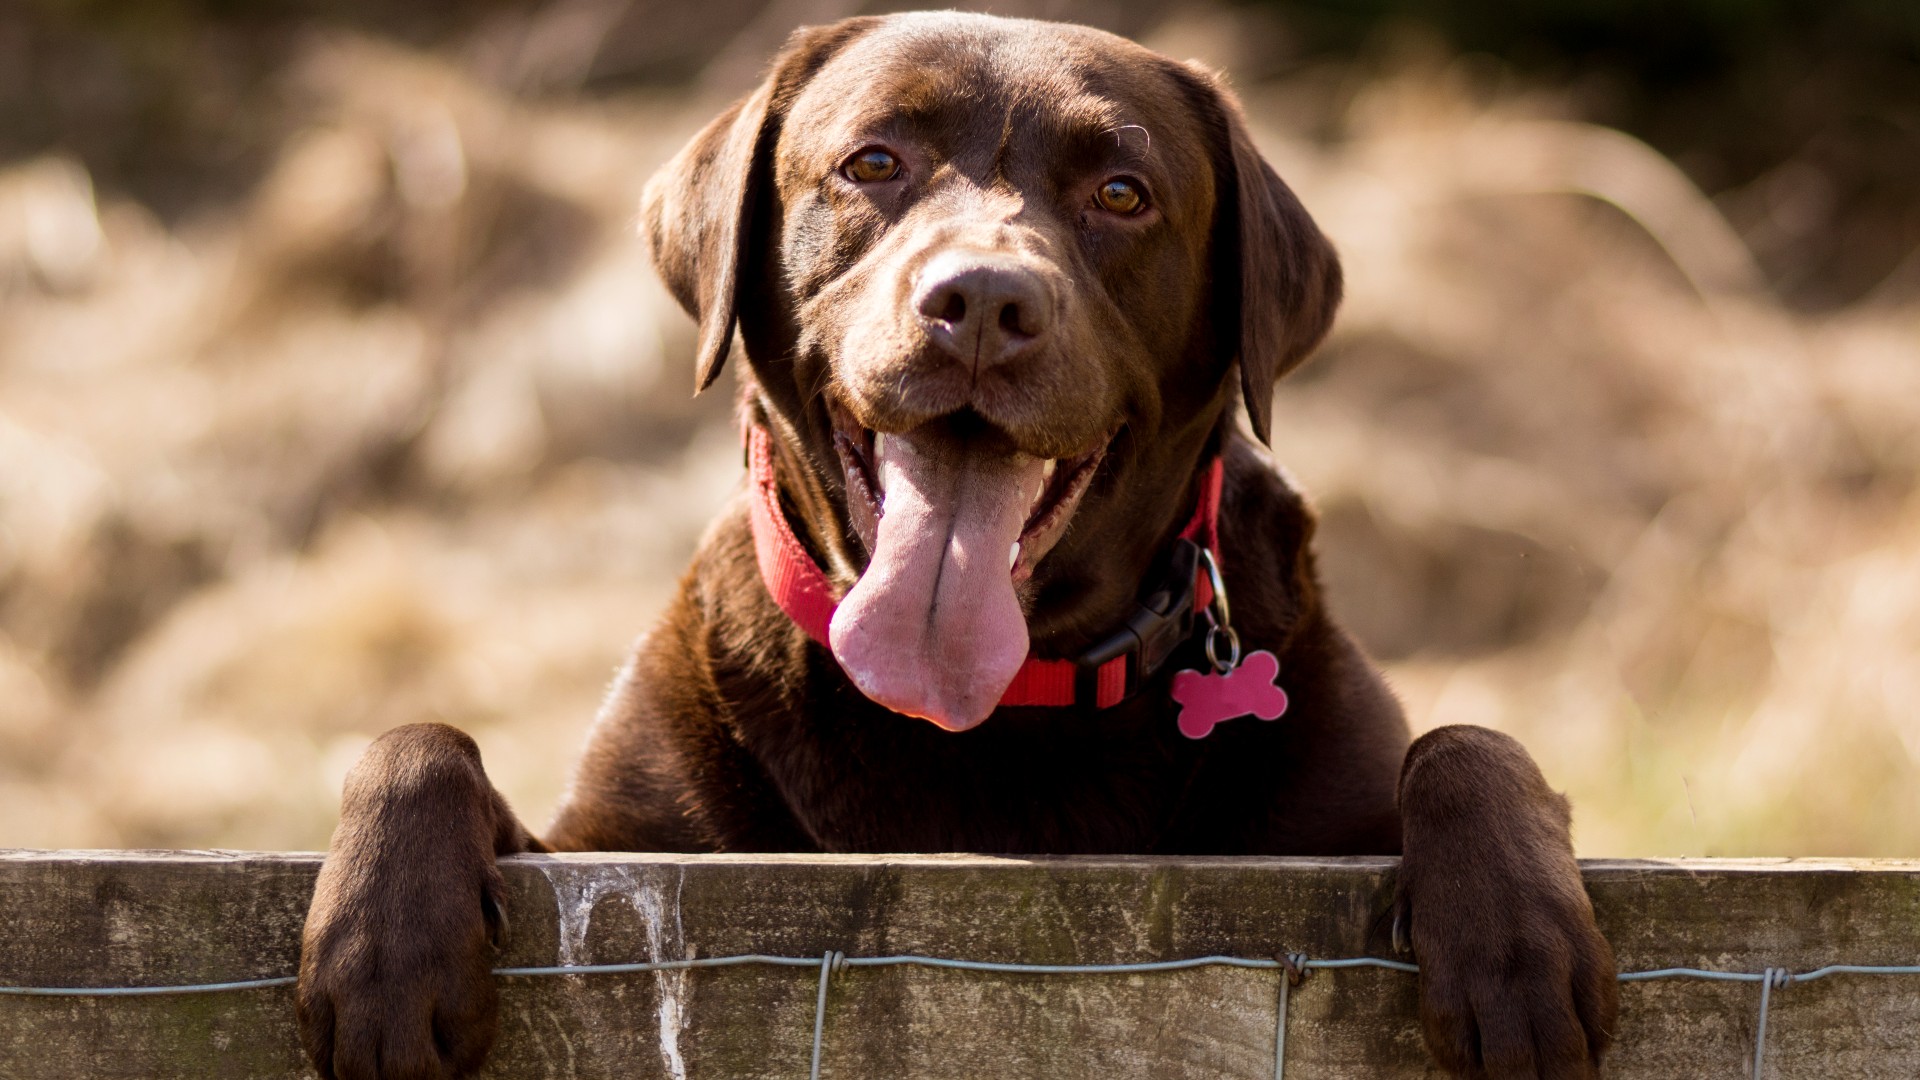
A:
{"points": [[1516, 980], [1510, 988]]}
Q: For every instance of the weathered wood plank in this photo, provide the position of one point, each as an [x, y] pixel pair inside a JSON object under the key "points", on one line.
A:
{"points": [[147, 918]]}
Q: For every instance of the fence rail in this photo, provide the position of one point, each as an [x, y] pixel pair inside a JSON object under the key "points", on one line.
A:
{"points": [[1035, 993]]}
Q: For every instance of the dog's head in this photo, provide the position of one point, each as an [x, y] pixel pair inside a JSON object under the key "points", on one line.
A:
{"points": [[994, 279]]}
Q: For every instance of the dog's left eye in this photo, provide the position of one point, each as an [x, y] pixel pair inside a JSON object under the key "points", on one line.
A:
{"points": [[1121, 195], [871, 166]]}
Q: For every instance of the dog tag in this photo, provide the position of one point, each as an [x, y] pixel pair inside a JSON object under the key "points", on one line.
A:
{"points": [[1248, 689]]}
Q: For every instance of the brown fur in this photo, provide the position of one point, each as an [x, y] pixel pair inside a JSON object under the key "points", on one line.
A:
{"points": [[730, 731]]}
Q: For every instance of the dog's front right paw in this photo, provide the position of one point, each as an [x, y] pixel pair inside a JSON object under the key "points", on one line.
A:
{"points": [[396, 964], [396, 977]]}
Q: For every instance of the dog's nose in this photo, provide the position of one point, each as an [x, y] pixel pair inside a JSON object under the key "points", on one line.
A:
{"points": [[982, 309]]}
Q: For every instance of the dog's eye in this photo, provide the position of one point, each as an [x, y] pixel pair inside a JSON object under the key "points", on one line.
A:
{"points": [[871, 166], [1120, 195]]}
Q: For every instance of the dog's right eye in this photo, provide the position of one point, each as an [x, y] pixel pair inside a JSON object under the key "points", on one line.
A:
{"points": [[871, 166]]}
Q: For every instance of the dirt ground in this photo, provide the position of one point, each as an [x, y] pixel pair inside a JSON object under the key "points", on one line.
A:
{"points": [[398, 426]]}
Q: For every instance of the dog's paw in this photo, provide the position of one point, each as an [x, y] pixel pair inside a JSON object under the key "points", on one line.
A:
{"points": [[396, 964], [396, 975], [1516, 981]]}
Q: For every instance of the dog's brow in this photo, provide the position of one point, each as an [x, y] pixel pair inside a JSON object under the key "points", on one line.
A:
{"points": [[925, 98], [1096, 125], [912, 111], [1133, 133], [1087, 112]]}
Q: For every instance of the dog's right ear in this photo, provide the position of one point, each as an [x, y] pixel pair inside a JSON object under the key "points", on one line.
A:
{"points": [[699, 210]]}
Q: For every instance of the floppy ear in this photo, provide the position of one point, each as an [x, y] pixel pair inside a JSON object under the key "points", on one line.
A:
{"points": [[700, 210], [1275, 274]]}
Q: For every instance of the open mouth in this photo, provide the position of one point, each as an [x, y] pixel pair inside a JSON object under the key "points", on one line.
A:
{"points": [[954, 518], [868, 462]]}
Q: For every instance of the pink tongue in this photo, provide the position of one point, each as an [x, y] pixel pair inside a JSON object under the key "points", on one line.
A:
{"points": [[933, 629]]}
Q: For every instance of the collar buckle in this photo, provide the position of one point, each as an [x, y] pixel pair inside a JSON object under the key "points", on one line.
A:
{"points": [[1160, 624]]}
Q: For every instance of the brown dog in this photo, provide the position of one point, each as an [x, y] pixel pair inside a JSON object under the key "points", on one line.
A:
{"points": [[998, 285]]}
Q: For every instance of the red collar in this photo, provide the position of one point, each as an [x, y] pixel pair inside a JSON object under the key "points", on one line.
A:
{"points": [[802, 590]]}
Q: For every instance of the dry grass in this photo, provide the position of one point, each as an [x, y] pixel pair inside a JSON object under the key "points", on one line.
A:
{"points": [[404, 435]]}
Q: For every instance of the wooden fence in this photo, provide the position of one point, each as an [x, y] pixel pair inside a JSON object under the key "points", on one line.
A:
{"points": [[92, 919]]}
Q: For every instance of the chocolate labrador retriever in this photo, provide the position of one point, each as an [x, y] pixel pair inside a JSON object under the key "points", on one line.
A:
{"points": [[1006, 577]]}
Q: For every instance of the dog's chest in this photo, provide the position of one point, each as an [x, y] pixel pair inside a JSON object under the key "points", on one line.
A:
{"points": [[1105, 785]]}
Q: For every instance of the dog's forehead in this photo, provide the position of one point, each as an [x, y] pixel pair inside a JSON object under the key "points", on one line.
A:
{"points": [[967, 73]]}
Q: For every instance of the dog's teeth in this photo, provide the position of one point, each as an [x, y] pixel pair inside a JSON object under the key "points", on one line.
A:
{"points": [[1046, 479], [880, 462], [1013, 555], [879, 444]]}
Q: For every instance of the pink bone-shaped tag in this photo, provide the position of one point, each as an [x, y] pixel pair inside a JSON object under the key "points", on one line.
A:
{"points": [[1207, 699]]}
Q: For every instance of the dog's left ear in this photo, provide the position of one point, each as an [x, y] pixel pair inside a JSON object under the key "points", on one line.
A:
{"points": [[699, 211], [1275, 275]]}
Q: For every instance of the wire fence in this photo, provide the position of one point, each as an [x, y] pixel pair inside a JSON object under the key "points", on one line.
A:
{"points": [[1292, 967]]}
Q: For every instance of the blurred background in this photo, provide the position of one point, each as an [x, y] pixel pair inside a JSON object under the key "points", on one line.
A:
{"points": [[336, 391]]}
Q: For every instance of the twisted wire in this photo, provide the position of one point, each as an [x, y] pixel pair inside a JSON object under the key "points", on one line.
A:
{"points": [[1293, 967]]}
